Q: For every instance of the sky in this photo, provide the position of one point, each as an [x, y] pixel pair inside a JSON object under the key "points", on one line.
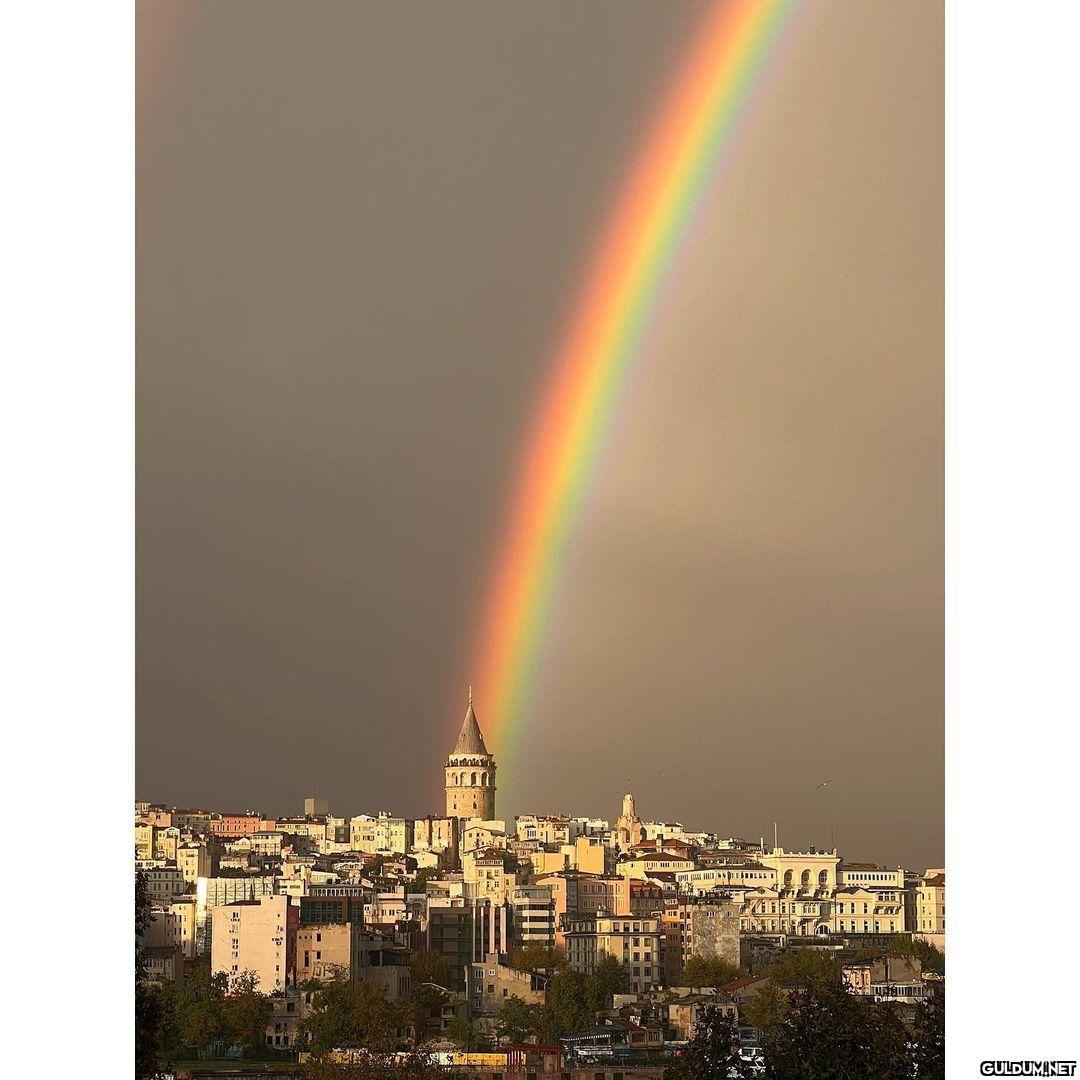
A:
{"points": [[359, 229]]}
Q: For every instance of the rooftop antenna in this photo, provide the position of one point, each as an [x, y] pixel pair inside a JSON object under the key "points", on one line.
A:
{"points": [[775, 841]]}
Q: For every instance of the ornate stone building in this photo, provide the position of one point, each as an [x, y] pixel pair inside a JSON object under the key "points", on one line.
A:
{"points": [[470, 773]]}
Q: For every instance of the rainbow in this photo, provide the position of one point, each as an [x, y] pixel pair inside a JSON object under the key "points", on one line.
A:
{"points": [[638, 245]]}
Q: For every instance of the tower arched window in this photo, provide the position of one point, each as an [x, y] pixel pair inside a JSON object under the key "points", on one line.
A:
{"points": [[474, 779], [805, 879]]}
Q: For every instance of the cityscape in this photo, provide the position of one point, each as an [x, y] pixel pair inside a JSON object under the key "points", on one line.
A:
{"points": [[592, 355], [546, 944]]}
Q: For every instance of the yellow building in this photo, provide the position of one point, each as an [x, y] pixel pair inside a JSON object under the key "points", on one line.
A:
{"points": [[587, 854], [144, 840], [380, 835], [545, 828], [634, 942], [803, 870], [862, 910], [477, 833], [653, 862], [194, 861], [930, 907], [488, 873]]}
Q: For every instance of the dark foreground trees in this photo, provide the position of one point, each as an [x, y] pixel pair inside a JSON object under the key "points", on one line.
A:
{"points": [[713, 1052], [354, 1014], [710, 971], [822, 1031], [829, 1033], [147, 1003]]}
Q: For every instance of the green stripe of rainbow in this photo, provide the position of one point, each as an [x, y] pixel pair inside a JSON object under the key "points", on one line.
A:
{"points": [[638, 245]]}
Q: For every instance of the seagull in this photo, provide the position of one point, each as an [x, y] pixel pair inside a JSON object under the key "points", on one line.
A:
{"points": [[822, 784]]}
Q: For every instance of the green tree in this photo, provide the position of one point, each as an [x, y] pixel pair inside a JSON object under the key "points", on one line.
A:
{"points": [[424, 998], [767, 1007], [148, 1010], [429, 966], [533, 957], [247, 1013], [169, 995], [931, 958], [373, 867], [200, 1010], [803, 968], [713, 1050], [928, 1037], [610, 977], [568, 1007], [829, 1033], [518, 1021], [711, 971], [422, 877], [352, 1014], [461, 1031]]}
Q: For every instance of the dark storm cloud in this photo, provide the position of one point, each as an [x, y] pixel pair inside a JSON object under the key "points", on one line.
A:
{"points": [[358, 230]]}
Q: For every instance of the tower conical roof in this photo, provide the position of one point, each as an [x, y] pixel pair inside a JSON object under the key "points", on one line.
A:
{"points": [[470, 741]]}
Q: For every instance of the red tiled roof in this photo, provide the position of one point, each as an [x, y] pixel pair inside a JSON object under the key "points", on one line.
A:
{"points": [[741, 981]]}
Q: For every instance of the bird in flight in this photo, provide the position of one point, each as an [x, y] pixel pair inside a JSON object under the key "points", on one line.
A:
{"points": [[822, 784]]}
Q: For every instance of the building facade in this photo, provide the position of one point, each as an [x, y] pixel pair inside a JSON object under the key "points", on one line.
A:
{"points": [[257, 936]]}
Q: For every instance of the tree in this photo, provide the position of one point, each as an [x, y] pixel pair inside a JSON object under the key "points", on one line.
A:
{"points": [[930, 957], [568, 1007], [429, 966], [373, 867], [533, 957], [803, 968], [928, 1037], [518, 1022], [711, 971], [200, 1010], [461, 1031], [147, 1001], [713, 1051], [247, 1013], [352, 1014], [424, 998], [767, 1007], [422, 877], [610, 977], [829, 1033]]}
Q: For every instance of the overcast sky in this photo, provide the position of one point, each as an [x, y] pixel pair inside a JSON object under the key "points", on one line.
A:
{"points": [[359, 228]]}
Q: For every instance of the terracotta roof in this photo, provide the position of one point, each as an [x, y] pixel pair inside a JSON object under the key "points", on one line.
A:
{"points": [[743, 980]]}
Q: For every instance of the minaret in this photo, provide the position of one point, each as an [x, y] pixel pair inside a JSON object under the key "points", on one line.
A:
{"points": [[470, 773], [628, 829]]}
